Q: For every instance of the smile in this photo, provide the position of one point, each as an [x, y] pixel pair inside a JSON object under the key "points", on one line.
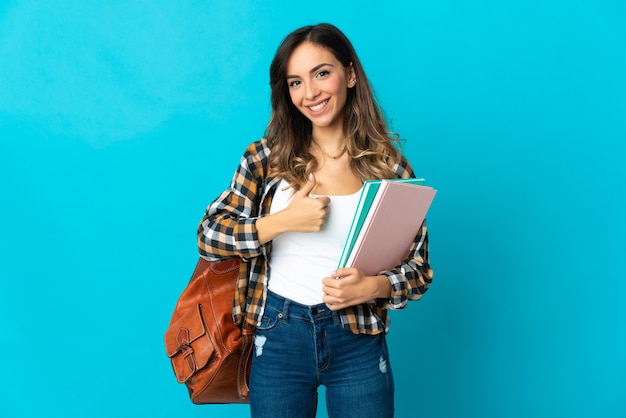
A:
{"points": [[319, 106]]}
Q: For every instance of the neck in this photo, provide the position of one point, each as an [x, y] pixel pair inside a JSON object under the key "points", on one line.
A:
{"points": [[329, 138], [334, 151]]}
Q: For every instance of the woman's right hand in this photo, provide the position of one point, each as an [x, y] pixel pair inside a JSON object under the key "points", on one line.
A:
{"points": [[303, 214]]}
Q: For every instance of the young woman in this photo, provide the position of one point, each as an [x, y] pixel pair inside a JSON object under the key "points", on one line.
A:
{"points": [[287, 213]]}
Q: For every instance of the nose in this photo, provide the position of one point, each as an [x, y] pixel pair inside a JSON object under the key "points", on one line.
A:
{"points": [[311, 91]]}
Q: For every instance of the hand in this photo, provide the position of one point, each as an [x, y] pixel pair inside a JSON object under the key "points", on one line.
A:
{"points": [[304, 213], [350, 286]]}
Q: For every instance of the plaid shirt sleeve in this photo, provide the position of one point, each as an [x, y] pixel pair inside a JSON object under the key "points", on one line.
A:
{"points": [[411, 279], [228, 227]]}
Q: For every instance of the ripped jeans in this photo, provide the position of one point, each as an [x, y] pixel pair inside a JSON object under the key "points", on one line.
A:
{"points": [[298, 348]]}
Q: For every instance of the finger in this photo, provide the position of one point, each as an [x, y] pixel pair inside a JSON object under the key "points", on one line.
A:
{"points": [[333, 307], [341, 272], [308, 186], [335, 304], [324, 200], [328, 292], [331, 302], [331, 283]]}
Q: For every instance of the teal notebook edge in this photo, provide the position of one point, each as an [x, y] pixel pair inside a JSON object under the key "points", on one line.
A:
{"points": [[368, 194]]}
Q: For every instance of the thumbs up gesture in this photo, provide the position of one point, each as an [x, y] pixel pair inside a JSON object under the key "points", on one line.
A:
{"points": [[307, 214], [303, 214]]}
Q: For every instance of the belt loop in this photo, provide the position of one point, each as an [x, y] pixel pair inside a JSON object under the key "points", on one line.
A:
{"points": [[336, 318], [286, 310]]}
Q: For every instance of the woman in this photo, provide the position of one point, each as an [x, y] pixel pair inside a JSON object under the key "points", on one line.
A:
{"points": [[287, 215]]}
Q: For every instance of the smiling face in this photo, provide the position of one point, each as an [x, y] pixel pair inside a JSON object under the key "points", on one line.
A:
{"points": [[318, 85]]}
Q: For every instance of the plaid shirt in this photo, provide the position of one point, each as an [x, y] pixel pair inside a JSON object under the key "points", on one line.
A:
{"points": [[228, 229]]}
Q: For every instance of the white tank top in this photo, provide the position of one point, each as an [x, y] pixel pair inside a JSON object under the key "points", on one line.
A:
{"points": [[300, 260]]}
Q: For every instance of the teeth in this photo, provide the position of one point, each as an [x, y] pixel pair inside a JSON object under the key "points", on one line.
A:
{"points": [[319, 106]]}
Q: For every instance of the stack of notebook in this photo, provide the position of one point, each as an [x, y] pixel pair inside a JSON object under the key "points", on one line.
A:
{"points": [[387, 218]]}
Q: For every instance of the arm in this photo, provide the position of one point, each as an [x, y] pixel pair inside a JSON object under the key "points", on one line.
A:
{"points": [[232, 225], [228, 228], [411, 279], [407, 281]]}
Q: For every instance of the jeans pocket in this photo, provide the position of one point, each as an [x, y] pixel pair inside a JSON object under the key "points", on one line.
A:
{"points": [[270, 320]]}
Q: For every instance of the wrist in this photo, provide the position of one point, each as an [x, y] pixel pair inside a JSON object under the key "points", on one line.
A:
{"points": [[271, 226], [382, 287]]}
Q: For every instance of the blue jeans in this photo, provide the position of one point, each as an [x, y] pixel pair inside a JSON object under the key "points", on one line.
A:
{"points": [[298, 348]]}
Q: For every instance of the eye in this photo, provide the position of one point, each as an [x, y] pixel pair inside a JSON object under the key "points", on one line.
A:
{"points": [[293, 83], [323, 73]]}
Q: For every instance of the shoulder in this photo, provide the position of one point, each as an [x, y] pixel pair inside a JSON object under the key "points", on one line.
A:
{"points": [[403, 168], [256, 157], [258, 149]]}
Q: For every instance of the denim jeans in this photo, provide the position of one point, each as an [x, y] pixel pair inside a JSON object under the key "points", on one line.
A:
{"points": [[298, 348]]}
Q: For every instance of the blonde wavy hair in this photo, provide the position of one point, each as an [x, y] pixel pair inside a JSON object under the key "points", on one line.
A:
{"points": [[373, 149]]}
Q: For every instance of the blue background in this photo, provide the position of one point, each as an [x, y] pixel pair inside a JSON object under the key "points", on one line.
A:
{"points": [[120, 121]]}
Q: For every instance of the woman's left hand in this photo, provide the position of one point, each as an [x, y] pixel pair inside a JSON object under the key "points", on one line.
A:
{"points": [[350, 286]]}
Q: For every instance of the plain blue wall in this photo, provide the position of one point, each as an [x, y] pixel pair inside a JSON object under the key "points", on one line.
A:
{"points": [[120, 121]]}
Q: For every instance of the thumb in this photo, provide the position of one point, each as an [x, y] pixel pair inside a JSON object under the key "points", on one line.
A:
{"points": [[308, 186]]}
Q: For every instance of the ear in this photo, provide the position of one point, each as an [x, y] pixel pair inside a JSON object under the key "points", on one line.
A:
{"points": [[351, 76]]}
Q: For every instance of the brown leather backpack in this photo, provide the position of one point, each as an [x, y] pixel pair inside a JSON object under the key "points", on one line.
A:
{"points": [[209, 353]]}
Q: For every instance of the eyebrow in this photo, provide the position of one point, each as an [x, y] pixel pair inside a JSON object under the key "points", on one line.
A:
{"points": [[314, 69]]}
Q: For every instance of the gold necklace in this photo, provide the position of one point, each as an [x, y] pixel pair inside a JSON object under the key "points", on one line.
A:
{"points": [[343, 151]]}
